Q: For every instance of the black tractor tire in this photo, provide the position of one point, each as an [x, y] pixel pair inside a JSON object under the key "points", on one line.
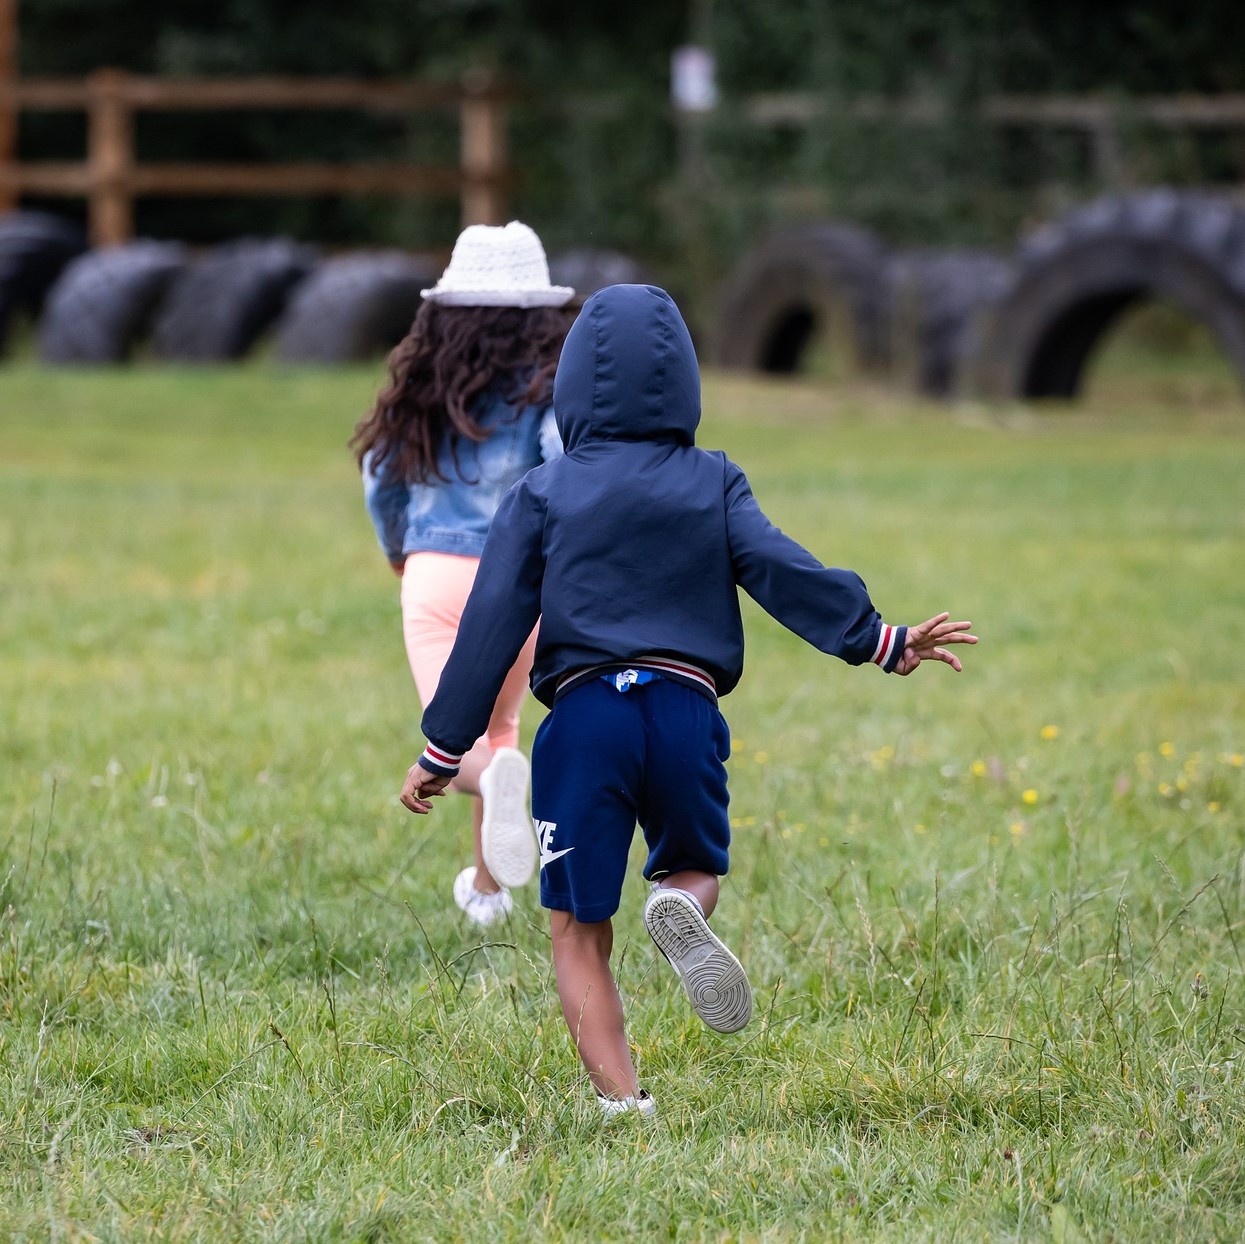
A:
{"points": [[1075, 277], [587, 271], [820, 278], [103, 303], [352, 307], [34, 248], [219, 306], [937, 299]]}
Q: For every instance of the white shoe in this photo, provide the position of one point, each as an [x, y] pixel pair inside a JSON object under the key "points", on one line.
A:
{"points": [[507, 839], [482, 909], [715, 980], [643, 1105]]}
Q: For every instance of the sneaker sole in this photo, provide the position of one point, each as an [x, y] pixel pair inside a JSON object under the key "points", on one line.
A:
{"points": [[714, 979], [507, 840]]}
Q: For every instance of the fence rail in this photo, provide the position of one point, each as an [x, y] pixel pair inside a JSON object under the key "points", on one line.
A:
{"points": [[802, 107], [1103, 119], [111, 178]]}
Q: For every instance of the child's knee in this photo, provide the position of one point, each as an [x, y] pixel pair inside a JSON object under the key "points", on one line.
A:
{"points": [[572, 936]]}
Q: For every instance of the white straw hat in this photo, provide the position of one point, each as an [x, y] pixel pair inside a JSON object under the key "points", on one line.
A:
{"points": [[498, 266]]}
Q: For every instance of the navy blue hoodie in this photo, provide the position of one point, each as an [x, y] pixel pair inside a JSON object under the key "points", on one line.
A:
{"points": [[634, 543]]}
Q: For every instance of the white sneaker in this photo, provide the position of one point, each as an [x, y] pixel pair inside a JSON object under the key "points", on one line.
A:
{"points": [[643, 1105], [715, 980], [507, 839], [482, 909]]}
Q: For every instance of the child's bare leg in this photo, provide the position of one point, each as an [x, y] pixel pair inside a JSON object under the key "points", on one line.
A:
{"points": [[677, 918], [703, 885], [590, 1002]]}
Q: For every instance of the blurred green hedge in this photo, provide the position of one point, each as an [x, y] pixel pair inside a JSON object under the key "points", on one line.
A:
{"points": [[600, 159]]}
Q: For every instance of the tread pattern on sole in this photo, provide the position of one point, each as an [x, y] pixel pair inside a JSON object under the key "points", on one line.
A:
{"points": [[714, 979]]}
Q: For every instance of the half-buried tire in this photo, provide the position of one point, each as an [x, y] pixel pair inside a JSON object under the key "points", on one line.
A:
{"points": [[34, 248], [937, 298], [219, 306], [1075, 277], [353, 307], [821, 280], [103, 303], [586, 271]]}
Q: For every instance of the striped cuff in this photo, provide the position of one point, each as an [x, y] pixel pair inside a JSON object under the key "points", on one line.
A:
{"points": [[438, 760], [891, 640]]}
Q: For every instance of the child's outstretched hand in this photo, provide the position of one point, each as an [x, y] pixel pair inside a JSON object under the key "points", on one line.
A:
{"points": [[421, 786], [924, 640]]}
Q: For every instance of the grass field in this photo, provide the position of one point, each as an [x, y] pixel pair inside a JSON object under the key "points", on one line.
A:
{"points": [[995, 923]]}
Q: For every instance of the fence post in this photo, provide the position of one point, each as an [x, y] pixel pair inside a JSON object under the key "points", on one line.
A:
{"points": [[110, 158], [8, 104], [483, 150], [1108, 155]]}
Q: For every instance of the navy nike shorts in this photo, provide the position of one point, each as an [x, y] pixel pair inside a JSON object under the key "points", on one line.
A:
{"points": [[605, 759]]}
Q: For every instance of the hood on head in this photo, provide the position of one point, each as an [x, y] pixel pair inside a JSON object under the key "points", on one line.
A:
{"points": [[628, 371]]}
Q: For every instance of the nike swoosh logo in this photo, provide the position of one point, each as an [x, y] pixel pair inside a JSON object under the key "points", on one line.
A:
{"points": [[547, 857]]}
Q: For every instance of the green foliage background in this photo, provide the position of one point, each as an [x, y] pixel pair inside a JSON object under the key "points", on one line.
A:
{"points": [[592, 133]]}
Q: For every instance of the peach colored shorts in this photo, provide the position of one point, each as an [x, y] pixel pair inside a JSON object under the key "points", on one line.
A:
{"points": [[435, 587]]}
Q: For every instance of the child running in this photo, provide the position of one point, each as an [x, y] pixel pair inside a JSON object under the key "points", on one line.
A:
{"points": [[631, 549], [465, 414]]}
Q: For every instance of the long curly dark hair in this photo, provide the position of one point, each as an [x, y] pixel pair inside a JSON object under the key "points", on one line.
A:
{"points": [[450, 357]]}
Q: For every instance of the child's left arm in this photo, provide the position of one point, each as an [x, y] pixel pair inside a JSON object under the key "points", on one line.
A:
{"points": [[386, 499], [924, 641]]}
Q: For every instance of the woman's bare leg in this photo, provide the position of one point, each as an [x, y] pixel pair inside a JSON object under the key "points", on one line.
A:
{"points": [[590, 1002], [468, 783], [503, 731]]}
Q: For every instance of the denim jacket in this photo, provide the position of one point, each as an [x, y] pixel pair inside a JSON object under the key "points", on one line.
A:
{"points": [[454, 516]]}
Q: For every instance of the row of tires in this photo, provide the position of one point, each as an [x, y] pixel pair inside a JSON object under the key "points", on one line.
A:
{"points": [[100, 306], [942, 323], [971, 323]]}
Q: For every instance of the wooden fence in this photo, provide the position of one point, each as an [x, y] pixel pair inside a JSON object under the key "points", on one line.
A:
{"points": [[1104, 120], [111, 178]]}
